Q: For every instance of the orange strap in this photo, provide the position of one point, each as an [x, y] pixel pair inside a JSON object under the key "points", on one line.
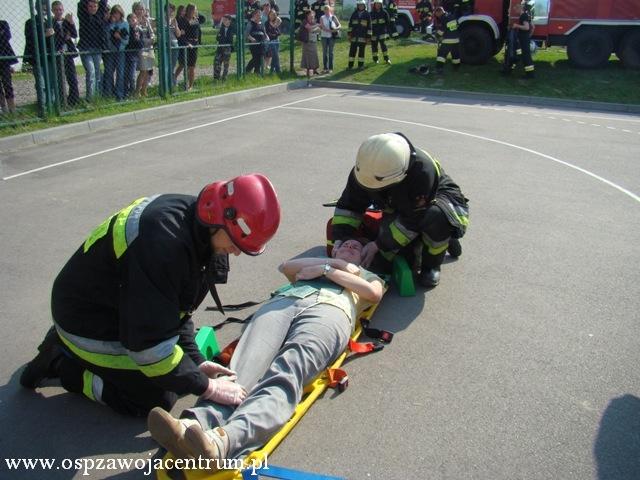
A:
{"points": [[338, 378]]}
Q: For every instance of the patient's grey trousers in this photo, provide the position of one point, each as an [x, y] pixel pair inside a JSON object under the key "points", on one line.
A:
{"points": [[283, 347]]}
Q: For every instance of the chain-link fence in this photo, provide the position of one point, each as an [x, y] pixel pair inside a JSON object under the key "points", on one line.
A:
{"points": [[58, 57]]}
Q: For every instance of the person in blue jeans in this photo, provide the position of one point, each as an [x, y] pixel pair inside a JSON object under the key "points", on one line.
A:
{"points": [[329, 27], [93, 15], [131, 55], [117, 41], [272, 27]]}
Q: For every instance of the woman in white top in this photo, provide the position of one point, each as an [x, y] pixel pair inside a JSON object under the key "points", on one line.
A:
{"points": [[330, 27]]}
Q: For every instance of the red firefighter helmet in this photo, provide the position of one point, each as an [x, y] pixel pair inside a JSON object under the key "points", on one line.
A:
{"points": [[246, 207]]}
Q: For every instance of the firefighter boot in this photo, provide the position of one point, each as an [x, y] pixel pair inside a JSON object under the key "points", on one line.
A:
{"points": [[430, 278], [386, 60], [169, 432], [46, 364], [430, 273], [454, 248]]}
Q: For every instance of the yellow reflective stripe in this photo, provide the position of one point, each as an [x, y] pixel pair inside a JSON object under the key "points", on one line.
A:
{"points": [[437, 250], [163, 366], [388, 255], [450, 41], [452, 25], [342, 220], [441, 59], [119, 228], [119, 362], [99, 232], [455, 61], [87, 385], [330, 243], [529, 68], [398, 236], [436, 164]]}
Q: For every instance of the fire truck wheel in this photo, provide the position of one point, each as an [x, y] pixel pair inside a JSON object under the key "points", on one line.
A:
{"points": [[403, 27], [589, 48], [630, 49]]}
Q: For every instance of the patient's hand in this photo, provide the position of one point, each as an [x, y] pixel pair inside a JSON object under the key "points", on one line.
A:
{"points": [[214, 370]]}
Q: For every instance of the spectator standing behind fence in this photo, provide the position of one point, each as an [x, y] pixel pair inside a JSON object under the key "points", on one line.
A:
{"points": [[29, 56], [249, 7], [272, 28], [65, 32], [146, 59], [225, 47], [330, 28], [309, 59], [191, 39], [131, 55], [114, 59], [257, 37], [7, 102], [174, 34], [91, 16]]}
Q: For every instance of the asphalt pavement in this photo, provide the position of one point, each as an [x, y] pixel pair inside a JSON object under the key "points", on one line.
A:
{"points": [[523, 363]]}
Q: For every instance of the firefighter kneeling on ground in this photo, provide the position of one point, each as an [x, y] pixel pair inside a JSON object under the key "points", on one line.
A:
{"points": [[379, 31], [123, 334], [448, 39], [359, 33], [422, 206]]}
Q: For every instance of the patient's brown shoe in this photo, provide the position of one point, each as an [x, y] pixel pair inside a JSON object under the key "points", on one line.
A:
{"points": [[213, 444], [169, 431]]}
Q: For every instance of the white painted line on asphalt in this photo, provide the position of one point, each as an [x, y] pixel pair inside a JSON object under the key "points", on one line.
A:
{"points": [[164, 135], [566, 120], [612, 128], [626, 131], [551, 118], [595, 125], [581, 122], [480, 137], [391, 98]]}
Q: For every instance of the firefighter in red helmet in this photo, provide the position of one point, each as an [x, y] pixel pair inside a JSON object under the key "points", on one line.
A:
{"points": [[122, 332]]}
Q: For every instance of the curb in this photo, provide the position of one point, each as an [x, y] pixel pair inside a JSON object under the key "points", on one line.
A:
{"points": [[492, 97], [62, 132]]}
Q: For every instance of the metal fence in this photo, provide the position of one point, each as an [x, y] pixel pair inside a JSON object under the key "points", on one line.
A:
{"points": [[56, 60]]}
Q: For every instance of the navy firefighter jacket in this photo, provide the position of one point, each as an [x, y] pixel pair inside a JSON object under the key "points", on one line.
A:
{"points": [[124, 299], [406, 201]]}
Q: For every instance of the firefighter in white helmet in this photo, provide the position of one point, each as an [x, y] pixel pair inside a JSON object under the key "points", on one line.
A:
{"points": [[419, 203]]}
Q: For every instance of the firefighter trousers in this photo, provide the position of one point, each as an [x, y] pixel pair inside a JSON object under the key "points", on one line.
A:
{"points": [[359, 46], [374, 49], [445, 49], [286, 344], [128, 392]]}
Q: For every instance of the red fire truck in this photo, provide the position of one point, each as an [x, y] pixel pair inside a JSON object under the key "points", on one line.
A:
{"points": [[590, 29]]}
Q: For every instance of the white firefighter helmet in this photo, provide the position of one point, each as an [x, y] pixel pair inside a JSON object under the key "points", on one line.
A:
{"points": [[382, 160], [361, 2]]}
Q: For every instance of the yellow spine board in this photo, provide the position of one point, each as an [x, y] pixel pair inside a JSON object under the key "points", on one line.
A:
{"points": [[311, 391]]}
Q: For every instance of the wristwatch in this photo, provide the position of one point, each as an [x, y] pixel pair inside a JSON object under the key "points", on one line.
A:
{"points": [[326, 269]]}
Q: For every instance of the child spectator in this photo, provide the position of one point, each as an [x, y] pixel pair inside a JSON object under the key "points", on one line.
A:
{"points": [[146, 59], [91, 16], [272, 27], [65, 32], [131, 55], [257, 37], [7, 103], [114, 59], [225, 47]]}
